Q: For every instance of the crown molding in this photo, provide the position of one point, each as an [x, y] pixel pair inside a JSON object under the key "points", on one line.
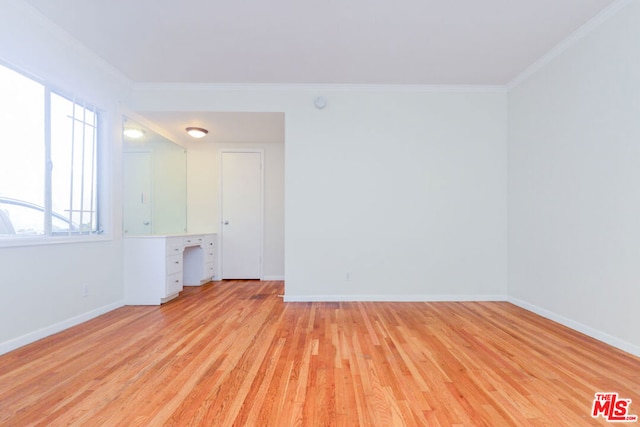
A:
{"points": [[318, 87], [66, 38], [570, 41]]}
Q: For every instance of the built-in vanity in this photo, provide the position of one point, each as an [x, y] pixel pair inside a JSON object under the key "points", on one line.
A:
{"points": [[160, 255], [157, 267]]}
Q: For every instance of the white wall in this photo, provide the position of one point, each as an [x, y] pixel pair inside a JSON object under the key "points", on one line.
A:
{"points": [[574, 170], [204, 196], [41, 286], [405, 190]]}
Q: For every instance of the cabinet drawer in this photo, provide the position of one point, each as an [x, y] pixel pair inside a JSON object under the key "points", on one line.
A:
{"points": [[209, 255], [174, 246], [210, 241], [174, 284], [174, 264], [193, 240], [209, 271]]}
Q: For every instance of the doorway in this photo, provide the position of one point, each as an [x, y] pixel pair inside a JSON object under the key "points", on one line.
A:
{"points": [[242, 207]]}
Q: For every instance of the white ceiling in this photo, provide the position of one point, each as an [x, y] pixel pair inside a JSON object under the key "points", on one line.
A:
{"points": [[423, 42], [433, 42]]}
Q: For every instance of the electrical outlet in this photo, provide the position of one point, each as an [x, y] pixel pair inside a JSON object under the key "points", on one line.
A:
{"points": [[347, 276], [85, 290]]}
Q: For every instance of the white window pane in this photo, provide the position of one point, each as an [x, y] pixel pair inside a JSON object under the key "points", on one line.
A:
{"points": [[28, 179], [73, 156], [22, 164], [61, 155]]}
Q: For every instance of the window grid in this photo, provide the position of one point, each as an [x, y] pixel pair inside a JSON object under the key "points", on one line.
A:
{"points": [[74, 120], [68, 203]]}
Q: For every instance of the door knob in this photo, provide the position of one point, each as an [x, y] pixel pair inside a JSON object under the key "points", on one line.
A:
{"points": [[145, 223], [226, 222]]}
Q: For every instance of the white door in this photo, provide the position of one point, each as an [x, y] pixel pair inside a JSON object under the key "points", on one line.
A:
{"points": [[241, 215], [137, 193]]}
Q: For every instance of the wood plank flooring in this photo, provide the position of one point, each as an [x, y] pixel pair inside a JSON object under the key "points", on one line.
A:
{"points": [[232, 353]]}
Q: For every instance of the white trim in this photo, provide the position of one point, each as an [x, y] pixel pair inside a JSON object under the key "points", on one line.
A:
{"points": [[220, 207], [577, 326], [315, 87], [41, 240], [393, 298], [66, 38], [570, 41], [34, 336], [273, 278]]}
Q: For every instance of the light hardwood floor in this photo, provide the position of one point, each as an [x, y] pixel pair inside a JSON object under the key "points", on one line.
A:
{"points": [[232, 353]]}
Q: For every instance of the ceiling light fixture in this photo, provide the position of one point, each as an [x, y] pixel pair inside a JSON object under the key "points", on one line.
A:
{"points": [[197, 132], [133, 133]]}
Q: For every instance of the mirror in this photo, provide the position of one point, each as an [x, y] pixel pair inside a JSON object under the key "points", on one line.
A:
{"points": [[155, 182]]}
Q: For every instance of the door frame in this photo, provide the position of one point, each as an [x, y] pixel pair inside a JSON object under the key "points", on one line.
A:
{"points": [[223, 151]]}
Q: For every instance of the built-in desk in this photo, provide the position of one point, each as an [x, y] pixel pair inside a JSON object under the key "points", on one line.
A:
{"points": [[157, 267]]}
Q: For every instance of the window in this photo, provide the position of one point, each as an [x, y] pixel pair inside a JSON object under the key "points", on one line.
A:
{"points": [[48, 161]]}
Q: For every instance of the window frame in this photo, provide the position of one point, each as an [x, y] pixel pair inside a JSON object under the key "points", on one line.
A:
{"points": [[100, 175]]}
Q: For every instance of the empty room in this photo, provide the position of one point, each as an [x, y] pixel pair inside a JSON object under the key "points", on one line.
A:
{"points": [[340, 213]]}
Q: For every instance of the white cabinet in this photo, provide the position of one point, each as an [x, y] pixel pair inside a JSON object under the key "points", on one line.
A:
{"points": [[174, 276], [157, 267], [210, 256], [152, 269], [199, 259]]}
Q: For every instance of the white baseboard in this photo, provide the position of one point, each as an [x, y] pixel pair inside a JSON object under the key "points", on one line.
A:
{"points": [[392, 298], [577, 326], [34, 336], [278, 278]]}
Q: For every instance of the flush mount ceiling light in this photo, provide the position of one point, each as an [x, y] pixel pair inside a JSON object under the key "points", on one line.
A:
{"points": [[197, 132], [133, 133]]}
